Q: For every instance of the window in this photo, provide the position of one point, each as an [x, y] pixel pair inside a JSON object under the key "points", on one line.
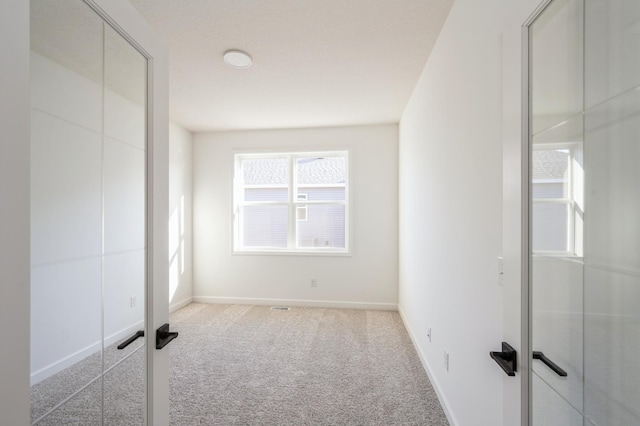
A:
{"points": [[557, 200], [291, 202]]}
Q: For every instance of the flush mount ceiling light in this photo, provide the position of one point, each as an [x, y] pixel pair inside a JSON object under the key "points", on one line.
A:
{"points": [[237, 59]]}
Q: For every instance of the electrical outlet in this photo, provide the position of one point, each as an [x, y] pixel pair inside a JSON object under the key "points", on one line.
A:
{"points": [[446, 360], [133, 301], [429, 334], [314, 282], [500, 271]]}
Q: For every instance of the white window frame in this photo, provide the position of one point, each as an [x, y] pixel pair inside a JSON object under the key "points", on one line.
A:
{"points": [[293, 204], [302, 208], [573, 208]]}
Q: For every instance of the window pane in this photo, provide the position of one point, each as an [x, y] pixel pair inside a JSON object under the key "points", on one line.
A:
{"points": [[301, 213], [321, 170], [265, 226], [550, 227], [550, 173], [331, 193], [266, 171], [266, 194], [324, 227], [548, 190]]}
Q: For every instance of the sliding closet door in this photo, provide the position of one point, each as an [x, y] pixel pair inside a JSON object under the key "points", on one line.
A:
{"points": [[88, 218]]}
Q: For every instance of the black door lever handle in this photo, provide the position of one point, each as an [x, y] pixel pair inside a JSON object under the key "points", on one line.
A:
{"points": [[164, 336], [130, 340], [506, 359], [552, 365]]}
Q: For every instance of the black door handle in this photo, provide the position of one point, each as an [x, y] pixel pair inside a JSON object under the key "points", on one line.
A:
{"points": [[552, 365], [506, 359], [130, 340], [164, 336]]}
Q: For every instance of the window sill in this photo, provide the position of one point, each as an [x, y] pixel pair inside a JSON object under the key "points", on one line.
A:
{"points": [[284, 252]]}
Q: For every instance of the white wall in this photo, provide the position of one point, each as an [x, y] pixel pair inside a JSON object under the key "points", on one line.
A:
{"points": [[451, 209], [14, 212], [180, 217], [368, 278]]}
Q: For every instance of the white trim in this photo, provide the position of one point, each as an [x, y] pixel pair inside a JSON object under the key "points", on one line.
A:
{"points": [[179, 305], [432, 378], [297, 302], [62, 364], [79, 355], [317, 251]]}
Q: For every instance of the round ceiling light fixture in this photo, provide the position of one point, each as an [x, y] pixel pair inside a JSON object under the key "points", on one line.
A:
{"points": [[237, 59]]}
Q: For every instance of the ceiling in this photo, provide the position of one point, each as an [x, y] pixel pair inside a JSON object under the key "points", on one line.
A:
{"points": [[315, 63]]}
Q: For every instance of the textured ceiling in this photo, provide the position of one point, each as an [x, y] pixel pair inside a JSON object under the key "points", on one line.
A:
{"points": [[315, 63]]}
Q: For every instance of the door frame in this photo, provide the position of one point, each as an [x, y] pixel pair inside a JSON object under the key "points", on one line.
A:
{"points": [[15, 263]]}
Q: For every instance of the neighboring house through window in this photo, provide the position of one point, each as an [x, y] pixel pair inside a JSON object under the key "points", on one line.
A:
{"points": [[291, 202]]}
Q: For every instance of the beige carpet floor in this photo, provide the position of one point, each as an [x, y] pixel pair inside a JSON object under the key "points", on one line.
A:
{"points": [[250, 365]]}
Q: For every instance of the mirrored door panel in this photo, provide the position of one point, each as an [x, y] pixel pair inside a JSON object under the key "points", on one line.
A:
{"points": [[557, 212], [585, 205], [124, 172], [612, 261], [66, 209], [88, 168]]}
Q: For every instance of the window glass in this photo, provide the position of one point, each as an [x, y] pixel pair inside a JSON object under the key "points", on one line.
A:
{"points": [[291, 202]]}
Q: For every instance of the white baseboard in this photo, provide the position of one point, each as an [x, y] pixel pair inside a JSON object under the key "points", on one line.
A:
{"points": [[179, 305], [436, 386], [297, 302], [68, 361]]}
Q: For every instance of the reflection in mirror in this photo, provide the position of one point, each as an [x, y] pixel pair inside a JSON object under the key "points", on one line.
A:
{"points": [[557, 212], [66, 277], [88, 189], [557, 190], [585, 205], [124, 229], [556, 64]]}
